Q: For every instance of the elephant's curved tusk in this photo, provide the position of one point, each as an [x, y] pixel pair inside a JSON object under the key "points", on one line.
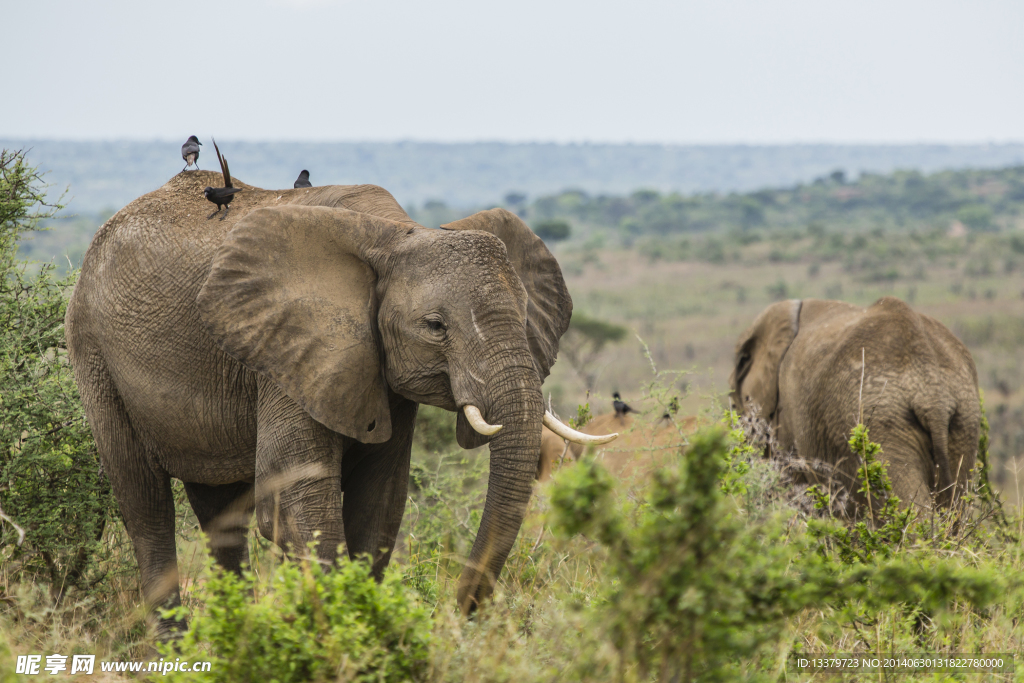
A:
{"points": [[567, 432], [477, 422]]}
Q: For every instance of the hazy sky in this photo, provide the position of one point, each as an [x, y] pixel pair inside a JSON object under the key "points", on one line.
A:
{"points": [[707, 71]]}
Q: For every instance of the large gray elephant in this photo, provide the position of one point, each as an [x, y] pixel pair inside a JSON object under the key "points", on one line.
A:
{"points": [[274, 361], [799, 366]]}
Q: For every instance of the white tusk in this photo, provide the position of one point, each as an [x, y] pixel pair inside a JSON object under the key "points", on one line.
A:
{"points": [[567, 432], [476, 420]]}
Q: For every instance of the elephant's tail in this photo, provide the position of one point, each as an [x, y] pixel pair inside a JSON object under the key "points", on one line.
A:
{"points": [[954, 436], [943, 479]]}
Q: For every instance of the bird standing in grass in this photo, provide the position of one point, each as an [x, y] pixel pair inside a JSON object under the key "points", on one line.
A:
{"points": [[221, 196], [620, 408], [190, 152], [303, 180]]}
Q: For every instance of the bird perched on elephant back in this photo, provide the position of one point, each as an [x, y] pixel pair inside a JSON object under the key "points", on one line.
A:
{"points": [[800, 367], [274, 362], [221, 196], [190, 152]]}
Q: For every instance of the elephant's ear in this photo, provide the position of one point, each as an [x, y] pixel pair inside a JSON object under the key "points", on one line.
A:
{"points": [[291, 295], [759, 353], [550, 306]]}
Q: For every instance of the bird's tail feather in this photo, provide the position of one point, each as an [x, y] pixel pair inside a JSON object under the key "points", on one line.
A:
{"points": [[223, 164]]}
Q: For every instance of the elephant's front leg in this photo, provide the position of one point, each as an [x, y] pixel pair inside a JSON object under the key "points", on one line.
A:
{"points": [[376, 483], [298, 477]]}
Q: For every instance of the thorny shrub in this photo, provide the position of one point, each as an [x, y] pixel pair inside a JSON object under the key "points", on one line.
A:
{"points": [[54, 500]]}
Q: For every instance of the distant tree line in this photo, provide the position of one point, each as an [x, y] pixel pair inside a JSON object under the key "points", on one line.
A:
{"points": [[980, 200]]}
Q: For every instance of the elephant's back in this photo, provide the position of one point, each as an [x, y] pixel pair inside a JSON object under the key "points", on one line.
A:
{"points": [[155, 253], [133, 315], [166, 225], [887, 335], [146, 262]]}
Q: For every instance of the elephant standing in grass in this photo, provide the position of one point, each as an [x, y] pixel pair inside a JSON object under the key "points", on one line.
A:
{"points": [[274, 362], [800, 367]]}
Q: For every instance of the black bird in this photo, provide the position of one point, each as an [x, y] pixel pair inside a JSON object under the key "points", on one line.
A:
{"points": [[221, 196], [303, 180], [620, 408], [190, 152]]}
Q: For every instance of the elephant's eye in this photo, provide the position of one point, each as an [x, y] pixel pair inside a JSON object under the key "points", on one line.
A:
{"points": [[435, 325]]}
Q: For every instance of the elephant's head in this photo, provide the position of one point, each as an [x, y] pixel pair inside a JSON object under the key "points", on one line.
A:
{"points": [[754, 381], [339, 306]]}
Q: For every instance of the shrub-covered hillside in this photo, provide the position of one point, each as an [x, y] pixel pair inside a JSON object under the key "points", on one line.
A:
{"points": [[979, 200]]}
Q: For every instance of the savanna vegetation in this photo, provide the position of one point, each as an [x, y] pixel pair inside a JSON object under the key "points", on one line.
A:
{"points": [[702, 566]]}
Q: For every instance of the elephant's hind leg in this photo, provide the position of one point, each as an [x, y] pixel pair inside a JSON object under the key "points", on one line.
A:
{"points": [[224, 513], [143, 492]]}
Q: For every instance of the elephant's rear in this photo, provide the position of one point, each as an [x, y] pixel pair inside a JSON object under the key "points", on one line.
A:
{"points": [[953, 420], [938, 396], [134, 338]]}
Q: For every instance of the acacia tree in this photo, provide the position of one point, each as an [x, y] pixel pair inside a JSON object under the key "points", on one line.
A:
{"points": [[554, 230], [54, 499], [583, 342]]}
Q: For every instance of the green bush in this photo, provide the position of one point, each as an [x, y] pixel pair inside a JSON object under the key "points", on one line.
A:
{"points": [[51, 486], [883, 526], [306, 623], [698, 589]]}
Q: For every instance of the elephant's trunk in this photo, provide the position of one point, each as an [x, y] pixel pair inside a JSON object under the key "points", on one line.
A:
{"points": [[516, 403]]}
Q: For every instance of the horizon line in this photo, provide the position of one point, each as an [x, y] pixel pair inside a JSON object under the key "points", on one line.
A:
{"points": [[538, 143]]}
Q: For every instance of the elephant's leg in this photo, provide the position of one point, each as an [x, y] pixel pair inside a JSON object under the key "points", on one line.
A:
{"points": [[375, 478], [298, 476], [142, 491], [224, 513]]}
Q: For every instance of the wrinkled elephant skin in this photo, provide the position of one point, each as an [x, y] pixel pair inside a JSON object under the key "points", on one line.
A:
{"points": [[274, 362]]}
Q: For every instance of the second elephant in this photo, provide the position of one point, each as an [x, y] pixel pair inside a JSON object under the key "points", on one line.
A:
{"points": [[800, 367]]}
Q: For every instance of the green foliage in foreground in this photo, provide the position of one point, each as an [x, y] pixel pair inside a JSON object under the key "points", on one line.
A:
{"points": [[700, 571], [51, 488], [884, 525], [695, 589], [307, 624]]}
